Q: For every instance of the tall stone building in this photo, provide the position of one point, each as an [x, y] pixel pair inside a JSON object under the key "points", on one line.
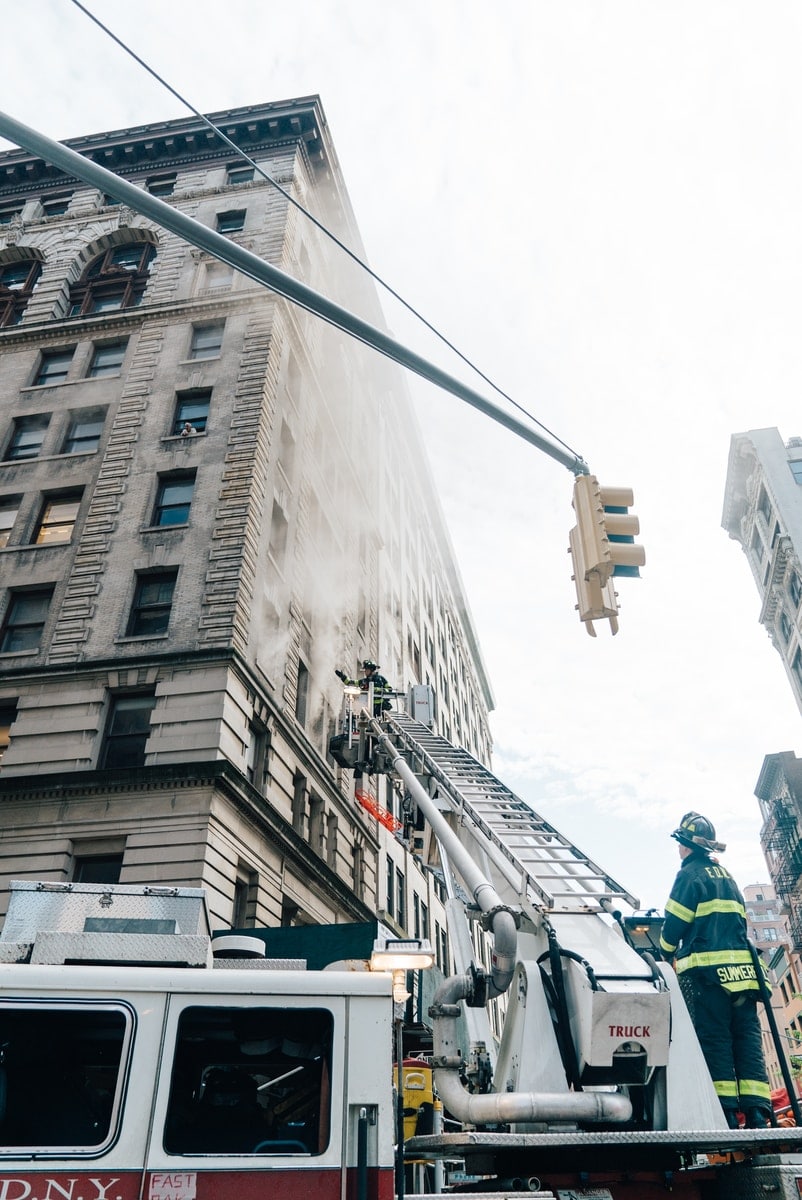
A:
{"points": [[763, 512], [209, 500]]}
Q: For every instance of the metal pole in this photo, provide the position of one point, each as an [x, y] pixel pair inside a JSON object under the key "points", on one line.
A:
{"points": [[765, 996], [278, 281], [399, 1111]]}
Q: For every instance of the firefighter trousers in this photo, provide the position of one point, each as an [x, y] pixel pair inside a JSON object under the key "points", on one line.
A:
{"points": [[728, 1029]]}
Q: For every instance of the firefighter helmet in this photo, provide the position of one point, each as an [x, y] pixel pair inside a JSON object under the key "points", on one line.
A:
{"points": [[370, 665], [698, 833]]}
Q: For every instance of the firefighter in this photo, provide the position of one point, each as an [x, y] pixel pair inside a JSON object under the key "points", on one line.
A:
{"points": [[381, 688], [705, 933]]}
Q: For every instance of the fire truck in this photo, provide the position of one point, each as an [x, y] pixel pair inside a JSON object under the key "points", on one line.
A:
{"points": [[143, 1058]]}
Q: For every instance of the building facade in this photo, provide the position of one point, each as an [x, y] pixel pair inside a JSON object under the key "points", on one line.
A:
{"points": [[763, 512], [209, 501]]}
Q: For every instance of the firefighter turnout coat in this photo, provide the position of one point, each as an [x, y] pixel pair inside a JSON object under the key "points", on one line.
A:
{"points": [[705, 932]]}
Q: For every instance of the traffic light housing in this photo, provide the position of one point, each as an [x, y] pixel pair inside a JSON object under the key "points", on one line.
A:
{"points": [[602, 547]]}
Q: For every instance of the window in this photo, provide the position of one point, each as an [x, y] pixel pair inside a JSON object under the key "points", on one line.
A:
{"points": [[55, 206], [218, 275], [785, 625], [57, 521], [286, 450], [316, 823], [173, 500], [225, 1058], [85, 1048], [54, 366], [764, 505], [207, 341], [238, 174], [278, 535], [9, 507], [390, 886], [83, 434], [301, 693], [153, 600], [8, 715], [796, 667], [231, 222], [256, 758], [331, 840], [97, 868], [401, 901], [298, 802], [25, 620], [8, 212], [113, 280], [796, 470], [795, 587], [192, 407], [17, 281], [127, 730], [246, 893], [161, 185], [107, 359]]}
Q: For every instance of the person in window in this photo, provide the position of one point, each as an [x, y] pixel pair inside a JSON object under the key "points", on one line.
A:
{"points": [[370, 675], [188, 429], [704, 931]]}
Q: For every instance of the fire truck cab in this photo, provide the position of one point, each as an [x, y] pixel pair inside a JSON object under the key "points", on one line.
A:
{"points": [[134, 1064]]}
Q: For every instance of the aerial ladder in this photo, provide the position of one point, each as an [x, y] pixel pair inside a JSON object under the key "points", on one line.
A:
{"points": [[598, 1064]]}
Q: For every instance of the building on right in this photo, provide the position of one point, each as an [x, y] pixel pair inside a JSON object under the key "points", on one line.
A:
{"points": [[763, 511]]}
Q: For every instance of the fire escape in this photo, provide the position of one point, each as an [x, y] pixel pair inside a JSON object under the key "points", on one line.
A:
{"points": [[783, 849]]}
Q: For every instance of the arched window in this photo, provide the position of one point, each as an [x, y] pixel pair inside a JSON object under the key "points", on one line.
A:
{"points": [[114, 279], [18, 278]]}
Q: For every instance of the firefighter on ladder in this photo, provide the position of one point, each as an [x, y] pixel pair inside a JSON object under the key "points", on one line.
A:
{"points": [[371, 676], [705, 933]]}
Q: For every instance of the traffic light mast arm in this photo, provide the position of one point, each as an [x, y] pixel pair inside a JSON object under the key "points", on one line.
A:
{"points": [[262, 272]]}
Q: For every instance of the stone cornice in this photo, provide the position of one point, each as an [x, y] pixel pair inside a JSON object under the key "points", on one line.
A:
{"points": [[219, 774], [172, 144]]}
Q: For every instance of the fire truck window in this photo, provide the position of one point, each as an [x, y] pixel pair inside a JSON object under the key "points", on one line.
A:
{"points": [[250, 1081], [59, 1074]]}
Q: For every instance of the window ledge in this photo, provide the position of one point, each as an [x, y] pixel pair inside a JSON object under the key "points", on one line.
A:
{"points": [[36, 546], [48, 387], [141, 637], [162, 528], [193, 362], [20, 653], [191, 437]]}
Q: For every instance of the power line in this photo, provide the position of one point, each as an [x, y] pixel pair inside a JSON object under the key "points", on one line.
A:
{"points": [[319, 224]]}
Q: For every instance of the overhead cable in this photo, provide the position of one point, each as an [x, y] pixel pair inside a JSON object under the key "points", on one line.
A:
{"points": [[319, 224]]}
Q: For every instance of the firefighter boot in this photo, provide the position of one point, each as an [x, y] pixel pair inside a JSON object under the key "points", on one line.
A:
{"points": [[757, 1118]]}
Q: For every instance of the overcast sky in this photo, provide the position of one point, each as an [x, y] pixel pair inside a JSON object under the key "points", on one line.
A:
{"points": [[600, 203]]}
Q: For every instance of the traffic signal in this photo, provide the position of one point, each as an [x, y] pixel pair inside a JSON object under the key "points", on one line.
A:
{"points": [[602, 547]]}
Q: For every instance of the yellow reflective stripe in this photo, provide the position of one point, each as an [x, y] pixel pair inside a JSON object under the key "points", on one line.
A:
{"points": [[715, 958], [744, 985], [678, 910], [664, 945], [754, 1087], [708, 907], [726, 1087]]}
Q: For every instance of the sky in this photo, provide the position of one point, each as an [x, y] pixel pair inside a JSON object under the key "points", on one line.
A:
{"points": [[600, 205]]}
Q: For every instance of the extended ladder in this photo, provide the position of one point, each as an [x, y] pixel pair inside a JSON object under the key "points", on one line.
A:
{"points": [[540, 865]]}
